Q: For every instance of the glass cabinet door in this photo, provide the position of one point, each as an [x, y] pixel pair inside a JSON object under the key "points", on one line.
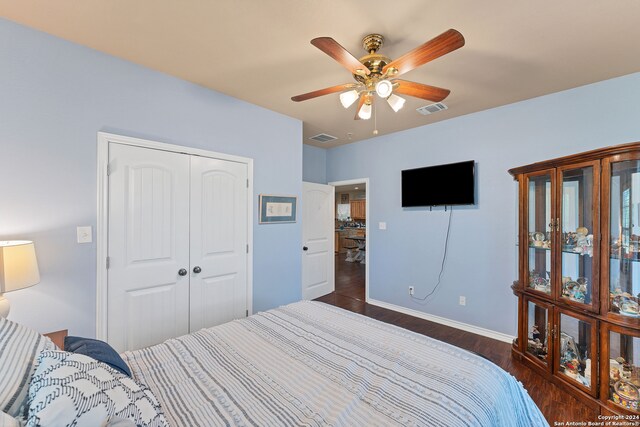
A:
{"points": [[624, 238], [623, 365], [538, 331], [540, 227], [579, 223], [575, 347]]}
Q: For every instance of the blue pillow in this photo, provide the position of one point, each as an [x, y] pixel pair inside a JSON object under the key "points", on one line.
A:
{"points": [[98, 350]]}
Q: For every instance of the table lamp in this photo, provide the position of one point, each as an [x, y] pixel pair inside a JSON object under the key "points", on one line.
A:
{"points": [[18, 269]]}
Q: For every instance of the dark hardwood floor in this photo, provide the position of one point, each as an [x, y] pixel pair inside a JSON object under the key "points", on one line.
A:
{"points": [[349, 278], [555, 404]]}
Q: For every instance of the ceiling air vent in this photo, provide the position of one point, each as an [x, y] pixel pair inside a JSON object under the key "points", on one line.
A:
{"points": [[322, 137], [432, 108]]}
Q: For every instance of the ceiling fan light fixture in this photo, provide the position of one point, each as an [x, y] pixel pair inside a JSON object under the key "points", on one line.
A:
{"points": [[365, 112], [396, 102], [384, 88], [348, 98]]}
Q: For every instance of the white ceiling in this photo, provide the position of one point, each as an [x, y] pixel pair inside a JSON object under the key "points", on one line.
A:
{"points": [[259, 51], [352, 187]]}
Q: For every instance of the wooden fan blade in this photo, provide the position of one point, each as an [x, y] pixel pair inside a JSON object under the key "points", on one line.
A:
{"points": [[360, 104], [446, 42], [340, 54], [321, 92], [418, 90]]}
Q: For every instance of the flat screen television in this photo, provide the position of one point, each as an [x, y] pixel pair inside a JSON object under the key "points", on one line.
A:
{"points": [[441, 185]]}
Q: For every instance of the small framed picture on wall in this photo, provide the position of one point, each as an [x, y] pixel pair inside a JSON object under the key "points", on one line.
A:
{"points": [[277, 209], [344, 198]]}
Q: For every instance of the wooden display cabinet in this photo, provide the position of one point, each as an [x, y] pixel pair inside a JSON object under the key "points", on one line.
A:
{"points": [[579, 288]]}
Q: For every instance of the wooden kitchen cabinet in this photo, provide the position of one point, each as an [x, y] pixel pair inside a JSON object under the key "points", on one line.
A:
{"points": [[358, 209]]}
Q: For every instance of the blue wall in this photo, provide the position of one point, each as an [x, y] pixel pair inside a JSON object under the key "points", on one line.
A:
{"points": [[314, 164], [481, 263], [55, 97]]}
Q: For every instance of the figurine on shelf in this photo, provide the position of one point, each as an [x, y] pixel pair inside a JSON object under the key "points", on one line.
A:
{"points": [[568, 287], [535, 333], [581, 292], [568, 241], [536, 239], [579, 241], [539, 283], [624, 303], [614, 374], [571, 368], [575, 290], [536, 347], [625, 394], [569, 351]]}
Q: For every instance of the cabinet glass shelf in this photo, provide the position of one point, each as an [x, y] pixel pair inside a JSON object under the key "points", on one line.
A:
{"points": [[618, 258], [564, 251]]}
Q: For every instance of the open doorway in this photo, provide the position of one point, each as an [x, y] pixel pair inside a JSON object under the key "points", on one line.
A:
{"points": [[351, 238]]}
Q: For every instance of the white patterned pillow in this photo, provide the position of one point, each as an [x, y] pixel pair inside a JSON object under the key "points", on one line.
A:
{"points": [[19, 350], [7, 420], [74, 389]]}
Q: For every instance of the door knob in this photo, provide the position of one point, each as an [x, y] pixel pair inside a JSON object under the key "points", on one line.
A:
{"points": [[197, 269], [182, 272], [304, 248]]}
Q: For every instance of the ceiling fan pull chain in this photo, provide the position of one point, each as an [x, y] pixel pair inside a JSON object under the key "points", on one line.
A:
{"points": [[375, 116]]}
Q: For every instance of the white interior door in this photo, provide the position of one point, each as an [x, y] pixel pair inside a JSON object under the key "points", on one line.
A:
{"points": [[318, 228], [218, 242], [148, 245]]}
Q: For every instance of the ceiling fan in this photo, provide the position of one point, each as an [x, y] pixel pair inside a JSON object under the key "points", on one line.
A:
{"points": [[376, 74]]}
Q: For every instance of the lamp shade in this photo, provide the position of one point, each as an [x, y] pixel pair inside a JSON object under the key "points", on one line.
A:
{"points": [[396, 102], [18, 265], [365, 112], [348, 98], [384, 88]]}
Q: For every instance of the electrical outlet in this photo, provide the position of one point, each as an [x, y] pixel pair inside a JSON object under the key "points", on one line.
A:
{"points": [[462, 300], [84, 234], [410, 290]]}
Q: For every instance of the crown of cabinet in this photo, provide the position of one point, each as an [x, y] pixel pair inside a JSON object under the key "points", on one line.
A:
{"points": [[578, 283]]}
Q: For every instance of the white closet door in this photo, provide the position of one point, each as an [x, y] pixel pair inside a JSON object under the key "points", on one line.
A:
{"points": [[148, 299], [218, 241]]}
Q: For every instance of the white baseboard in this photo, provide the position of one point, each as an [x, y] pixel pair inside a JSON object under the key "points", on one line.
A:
{"points": [[444, 321]]}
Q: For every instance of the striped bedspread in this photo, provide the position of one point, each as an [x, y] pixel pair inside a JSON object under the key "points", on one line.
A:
{"points": [[312, 364]]}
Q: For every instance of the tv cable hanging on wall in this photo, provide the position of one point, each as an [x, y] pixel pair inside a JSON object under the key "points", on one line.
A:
{"points": [[444, 260]]}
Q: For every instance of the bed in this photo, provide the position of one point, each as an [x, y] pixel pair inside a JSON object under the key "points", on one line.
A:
{"points": [[313, 364], [304, 364]]}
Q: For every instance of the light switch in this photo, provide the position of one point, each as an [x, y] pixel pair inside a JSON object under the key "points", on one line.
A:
{"points": [[85, 234], [382, 225]]}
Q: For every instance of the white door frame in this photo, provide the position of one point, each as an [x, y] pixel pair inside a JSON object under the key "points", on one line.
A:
{"points": [[367, 225], [102, 228]]}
